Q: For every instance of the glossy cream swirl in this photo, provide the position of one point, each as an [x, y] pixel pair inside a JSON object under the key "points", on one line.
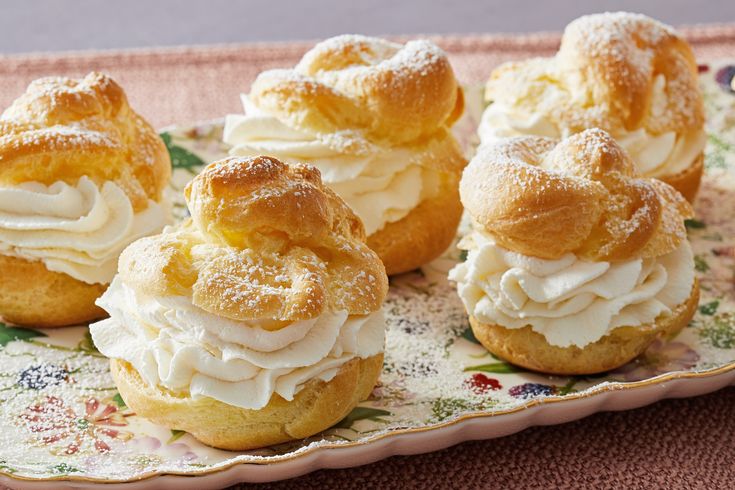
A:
{"points": [[381, 185], [570, 301], [656, 155], [78, 230], [178, 346]]}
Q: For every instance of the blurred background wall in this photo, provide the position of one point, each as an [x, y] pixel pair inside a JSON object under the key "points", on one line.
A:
{"points": [[62, 25]]}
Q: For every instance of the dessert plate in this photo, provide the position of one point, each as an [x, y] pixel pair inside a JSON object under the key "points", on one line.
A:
{"points": [[62, 420]]}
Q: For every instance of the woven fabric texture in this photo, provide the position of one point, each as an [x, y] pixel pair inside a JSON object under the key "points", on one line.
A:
{"points": [[183, 85]]}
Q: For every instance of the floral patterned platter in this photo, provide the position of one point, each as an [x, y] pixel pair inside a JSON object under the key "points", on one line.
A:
{"points": [[62, 420]]}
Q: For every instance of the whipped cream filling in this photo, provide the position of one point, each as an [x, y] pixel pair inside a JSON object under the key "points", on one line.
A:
{"points": [[656, 155], [381, 186], [178, 346], [570, 301], [78, 230]]}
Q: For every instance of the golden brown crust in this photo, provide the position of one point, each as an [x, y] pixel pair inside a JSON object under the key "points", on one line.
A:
{"points": [[266, 240], [530, 350], [583, 195], [610, 62], [363, 88], [33, 296], [259, 202], [63, 129], [687, 181], [607, 75], [318, 406], [422, 235], [356, 93], [620, 55]]}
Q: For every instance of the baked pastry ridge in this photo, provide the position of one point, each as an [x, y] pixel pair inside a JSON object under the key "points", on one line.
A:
{"points": [[81, 176], [265, 299], [374, 116], [570, 249], [625, 73]]}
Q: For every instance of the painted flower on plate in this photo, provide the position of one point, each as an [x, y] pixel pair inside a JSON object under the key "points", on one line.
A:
{"points": [[40, 376], [480, 384], [58, 425], [153, 449], [532, 390], [392, 394], [660, 357]]}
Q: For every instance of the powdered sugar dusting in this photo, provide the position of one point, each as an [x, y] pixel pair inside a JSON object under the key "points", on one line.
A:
{"points": [[419, 306], [348, 92], [617, 71], [621, 36], [64, 137]]}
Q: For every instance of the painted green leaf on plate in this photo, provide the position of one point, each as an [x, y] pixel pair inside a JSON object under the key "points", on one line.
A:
{"points": [[119, 401], [175, 436], [361, 413], [709, 308], [469, 335], [180, 157], [10, 334], [87, 344], [694, 224], [493, 367]]}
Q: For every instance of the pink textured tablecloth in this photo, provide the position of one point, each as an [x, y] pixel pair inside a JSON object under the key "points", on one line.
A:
{"points": [[183, 85], [687, 443]]}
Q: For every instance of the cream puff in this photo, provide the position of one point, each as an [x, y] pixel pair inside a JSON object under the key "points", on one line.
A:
{"points": [[625, 73], [374, 117], [81, 176], [575, 263], [257, 321]]}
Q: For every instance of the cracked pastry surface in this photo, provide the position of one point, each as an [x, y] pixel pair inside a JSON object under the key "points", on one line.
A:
{"points": [[81, 176], [575, 262], [374, 116], [266, 301], [625, 73]]}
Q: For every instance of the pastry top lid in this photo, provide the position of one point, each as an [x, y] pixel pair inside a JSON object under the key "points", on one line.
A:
{"points": [[267, 241], [616, 71], [61, 129], [362, 91], [545, 198]]}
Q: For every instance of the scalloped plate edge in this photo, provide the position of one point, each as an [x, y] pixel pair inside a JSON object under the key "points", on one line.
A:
{"points": [[479, 426]]}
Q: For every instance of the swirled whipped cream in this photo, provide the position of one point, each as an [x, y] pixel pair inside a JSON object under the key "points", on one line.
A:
{"points": [[78, 230], [381, 185], [178, 346], [656, 155], [570, 301]]}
